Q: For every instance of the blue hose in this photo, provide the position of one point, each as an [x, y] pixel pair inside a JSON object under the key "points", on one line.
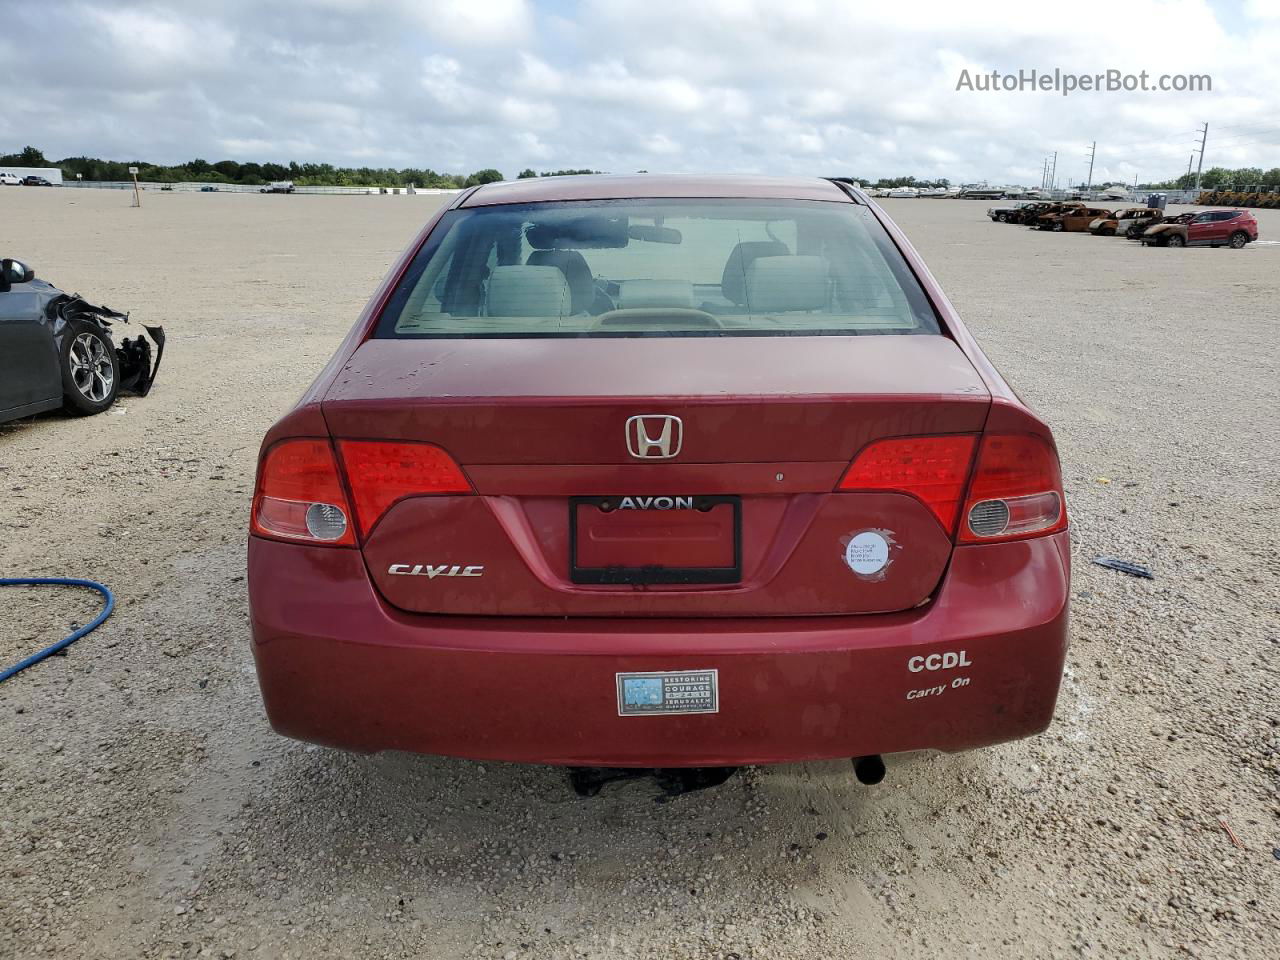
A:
{"points": [[66, 642]]}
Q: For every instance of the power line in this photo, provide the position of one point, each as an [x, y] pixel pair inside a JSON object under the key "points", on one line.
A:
{"points": [[1245, 126], [1253, 134]]}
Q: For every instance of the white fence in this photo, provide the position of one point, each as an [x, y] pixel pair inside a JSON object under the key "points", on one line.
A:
{"points": [[196, 187]]}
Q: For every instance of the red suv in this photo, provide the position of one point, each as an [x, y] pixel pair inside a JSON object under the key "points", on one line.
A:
{"points": [[659, 472], [1213, 228]]}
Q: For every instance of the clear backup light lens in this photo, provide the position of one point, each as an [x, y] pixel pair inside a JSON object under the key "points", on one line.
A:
{"points": [[1015, 516], [989, 518], [325, 521]]}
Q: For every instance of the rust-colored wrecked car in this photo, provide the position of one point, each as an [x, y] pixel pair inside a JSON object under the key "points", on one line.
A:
{"points": [[1135, 230], [1122, 221], [1158, 233], [1078, 220], [1030, 211], [1017, 212], [1047, 218]]}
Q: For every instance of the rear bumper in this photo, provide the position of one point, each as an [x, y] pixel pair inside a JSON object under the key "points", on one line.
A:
{"points": [[338, 666]]}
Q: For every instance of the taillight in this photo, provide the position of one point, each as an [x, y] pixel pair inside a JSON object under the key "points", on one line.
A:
{"points": [[1016, 490], [931, 469], [381, 472], [300, 497]]}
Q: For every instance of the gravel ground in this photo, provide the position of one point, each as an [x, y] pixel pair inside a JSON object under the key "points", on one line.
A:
{"points": [[148, 810]]}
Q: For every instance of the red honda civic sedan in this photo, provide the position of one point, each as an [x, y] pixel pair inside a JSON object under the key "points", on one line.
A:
{"points": [[651, 471]]}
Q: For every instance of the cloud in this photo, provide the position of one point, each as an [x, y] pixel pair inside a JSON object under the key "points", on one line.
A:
{"points": [[733, 85]]}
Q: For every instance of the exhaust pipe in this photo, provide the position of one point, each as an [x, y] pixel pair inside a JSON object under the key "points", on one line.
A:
{"points": [[869, 770]]}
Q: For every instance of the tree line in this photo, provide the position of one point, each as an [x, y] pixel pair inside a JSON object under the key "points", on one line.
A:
{"points": [[256, 174], [1241, 178]]}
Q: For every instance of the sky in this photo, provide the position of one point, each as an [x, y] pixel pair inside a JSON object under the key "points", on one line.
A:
{"points": [[744, 86]]}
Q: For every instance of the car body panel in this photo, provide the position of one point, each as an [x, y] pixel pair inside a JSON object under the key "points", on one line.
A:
{"points": [[345, 669], [793, 559], [29, 371], [743, 402]]}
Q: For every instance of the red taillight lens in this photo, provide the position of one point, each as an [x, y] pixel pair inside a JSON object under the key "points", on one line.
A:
{"points": [[382, 472], [1016, 490], [300, 497], [934, 470]]}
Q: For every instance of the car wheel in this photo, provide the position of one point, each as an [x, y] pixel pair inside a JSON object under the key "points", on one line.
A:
{"points": [[1059, 227], [1239, 239], [90, 370], [1002, 217], [1177, 240]]}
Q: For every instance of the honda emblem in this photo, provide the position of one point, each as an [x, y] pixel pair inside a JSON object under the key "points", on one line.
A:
{"points": [[654, 436]]}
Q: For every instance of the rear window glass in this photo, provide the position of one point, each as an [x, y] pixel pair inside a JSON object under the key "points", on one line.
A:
{"points": [[658, 268]]}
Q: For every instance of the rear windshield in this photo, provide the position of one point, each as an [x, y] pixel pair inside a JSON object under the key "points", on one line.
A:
{"points": [[658, 268]]}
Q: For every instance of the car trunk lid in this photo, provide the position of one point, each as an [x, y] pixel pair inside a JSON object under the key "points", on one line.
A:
{"points": [[742, 520]]}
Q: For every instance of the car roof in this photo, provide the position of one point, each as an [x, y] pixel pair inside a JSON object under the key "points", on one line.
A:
{"points": [[645, 185]]}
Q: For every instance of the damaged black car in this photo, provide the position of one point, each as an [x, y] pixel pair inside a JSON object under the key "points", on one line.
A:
{"points": [[57, 350]]}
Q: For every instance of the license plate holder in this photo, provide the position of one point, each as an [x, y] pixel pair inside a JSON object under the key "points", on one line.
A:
{"points": [[655, 573]]}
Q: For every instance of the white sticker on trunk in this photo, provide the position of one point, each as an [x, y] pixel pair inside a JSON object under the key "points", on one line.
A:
{"points": [[867, 553]]}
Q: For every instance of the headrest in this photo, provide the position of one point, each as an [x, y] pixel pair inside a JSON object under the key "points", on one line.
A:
{"points": [[733, 282], [525, 291], [655, 293], [574, 267], [779, 284]]}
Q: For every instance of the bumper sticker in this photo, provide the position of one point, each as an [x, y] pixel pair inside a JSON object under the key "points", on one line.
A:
{"points": [[671, 691]]}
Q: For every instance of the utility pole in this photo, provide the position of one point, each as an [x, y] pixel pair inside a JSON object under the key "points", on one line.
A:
{"points": [[1093, 150], [1204, 135]]}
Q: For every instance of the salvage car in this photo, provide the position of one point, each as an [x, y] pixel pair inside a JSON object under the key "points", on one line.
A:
{"points": [[659, 472], [1078, 221], [1055, 219], [57, 350], [35, 181], [1136, 230], [1046, 217], [1012, 213], [1213, 228], [1027, 211], [1121, 221]]}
